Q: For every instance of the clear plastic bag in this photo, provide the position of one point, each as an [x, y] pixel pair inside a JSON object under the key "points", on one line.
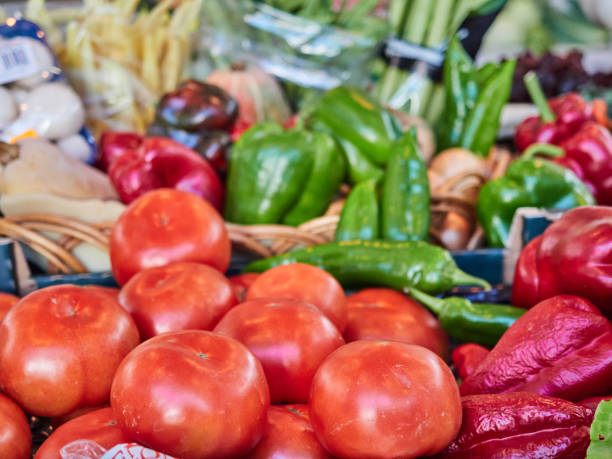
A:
{"points": [[35, 97], [294, 49], [87, 449]]}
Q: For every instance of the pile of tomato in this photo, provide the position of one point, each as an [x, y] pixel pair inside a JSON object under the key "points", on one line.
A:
{"points": [[194, 364]]}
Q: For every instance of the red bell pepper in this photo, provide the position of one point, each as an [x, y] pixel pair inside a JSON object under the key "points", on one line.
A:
{"points": [[573, 255], [526, 285], [576, 126], [468, 357], [520, 425], [163, 163], [559, 118], [114, 144], [588, 153], [562, 348], [569, 113]]}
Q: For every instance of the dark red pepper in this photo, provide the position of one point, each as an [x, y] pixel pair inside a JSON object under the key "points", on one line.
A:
{"points": [[593, 402], [562, 347], [573, 255], [163, 163], [114, 144], [520, 425], [468, 357]]}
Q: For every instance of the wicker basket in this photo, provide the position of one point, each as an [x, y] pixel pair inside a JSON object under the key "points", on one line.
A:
{"points": [[34, 230]]}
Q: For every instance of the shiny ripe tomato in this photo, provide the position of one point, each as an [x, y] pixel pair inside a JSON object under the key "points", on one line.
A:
{"points": [[60, 347], [99, 426], [166, 226], [58, 421], [290, 338], [385, 314], [192, 394], [303, 282], [241, 283], [7, 301], [383, 399], [112, 291], [289, 435], [179, 296], [15, 435]]}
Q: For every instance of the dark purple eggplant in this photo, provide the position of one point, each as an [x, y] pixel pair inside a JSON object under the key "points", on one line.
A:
{"points": [[195, 106]]}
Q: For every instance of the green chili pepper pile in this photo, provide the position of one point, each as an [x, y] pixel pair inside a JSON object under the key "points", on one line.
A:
{"points": [[474, 101], [365, 130]]}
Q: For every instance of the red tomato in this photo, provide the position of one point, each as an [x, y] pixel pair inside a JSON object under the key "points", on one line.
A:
{"points": [[56, 422], [289, 435], [112, 291], [241, 283], [192, 394], [290, 338], [179, 296], [99, 426], [15, 435], [60, 347], [303, 282], [165, 226], [7, 301], [384, 314], [379, 399]]}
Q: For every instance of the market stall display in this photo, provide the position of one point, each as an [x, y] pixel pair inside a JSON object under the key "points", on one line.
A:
{"points": [[268, 255]]}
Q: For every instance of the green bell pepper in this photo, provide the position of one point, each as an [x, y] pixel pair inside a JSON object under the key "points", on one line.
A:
{"points": [[268, 171], [528, 182], [405, 196], [327, 174], [365, 130], [282, 176]]}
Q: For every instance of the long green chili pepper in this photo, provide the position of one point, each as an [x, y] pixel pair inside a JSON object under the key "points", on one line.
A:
{"points": [[461, 93], [405, 197], [480, 323], [398, 265], [482, 124], [359, 216]]}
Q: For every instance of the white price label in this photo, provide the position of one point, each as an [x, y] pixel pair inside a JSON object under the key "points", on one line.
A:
{"points": [[17, 61]]}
